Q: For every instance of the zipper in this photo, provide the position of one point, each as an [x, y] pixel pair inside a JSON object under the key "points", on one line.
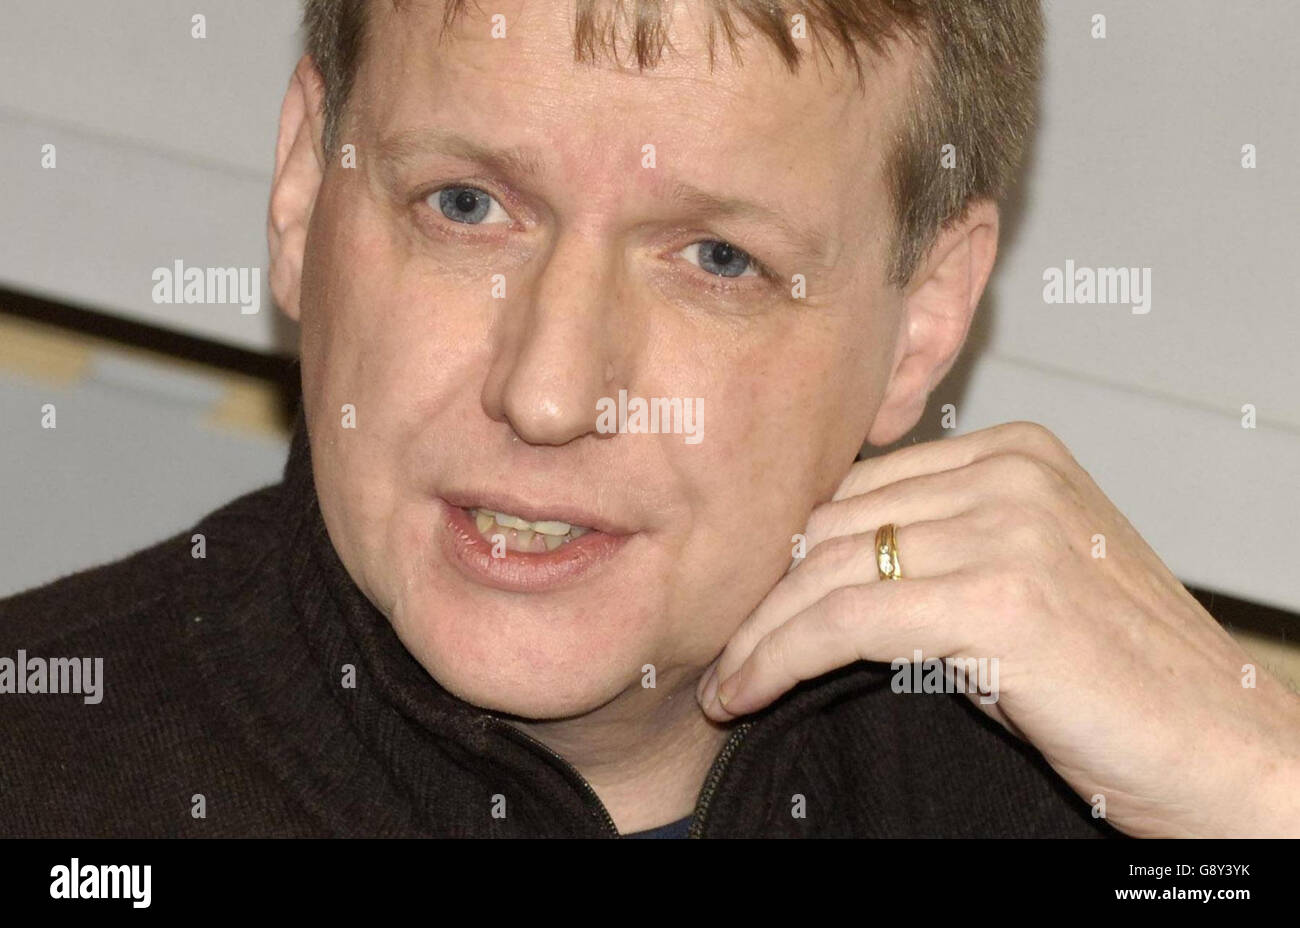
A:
{"points": [[568, 769], [719, 767], [720, 764]]}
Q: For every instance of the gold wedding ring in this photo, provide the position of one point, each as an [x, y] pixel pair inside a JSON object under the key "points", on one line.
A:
{"points": [[887, 553]]}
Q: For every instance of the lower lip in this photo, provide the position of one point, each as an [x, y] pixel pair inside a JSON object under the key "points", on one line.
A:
{"points": [[521, 571]]}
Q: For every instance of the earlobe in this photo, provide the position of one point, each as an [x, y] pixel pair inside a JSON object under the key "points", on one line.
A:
{"points": [[938, 307], [298, 174]]}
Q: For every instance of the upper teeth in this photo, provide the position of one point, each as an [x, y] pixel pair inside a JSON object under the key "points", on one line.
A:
{"points": [[484, 518]]}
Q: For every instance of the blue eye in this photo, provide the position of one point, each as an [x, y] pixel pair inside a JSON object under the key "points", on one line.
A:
{"points": [[466, 204], [722, 259]]}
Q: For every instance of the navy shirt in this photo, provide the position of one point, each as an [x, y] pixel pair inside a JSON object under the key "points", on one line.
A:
{"points": [[675, 829]]}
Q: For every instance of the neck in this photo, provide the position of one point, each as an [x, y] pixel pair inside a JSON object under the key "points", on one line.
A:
{"points": [[645, 753]]}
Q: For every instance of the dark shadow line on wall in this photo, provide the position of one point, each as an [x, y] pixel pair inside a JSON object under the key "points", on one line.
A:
{"points": [[279, 370]]}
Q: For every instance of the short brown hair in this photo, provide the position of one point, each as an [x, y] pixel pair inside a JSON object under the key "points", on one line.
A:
{"points": [[974, 89]]}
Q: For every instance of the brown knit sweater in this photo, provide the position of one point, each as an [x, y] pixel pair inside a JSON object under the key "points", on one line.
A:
{"points": [[222, 696]]}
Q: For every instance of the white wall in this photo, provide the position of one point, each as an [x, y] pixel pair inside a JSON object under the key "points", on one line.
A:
{"points": [[165, 146], [1138, 164]]}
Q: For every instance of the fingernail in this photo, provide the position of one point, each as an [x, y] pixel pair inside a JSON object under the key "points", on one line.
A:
{"points": [[728, 689], [710, 687]]}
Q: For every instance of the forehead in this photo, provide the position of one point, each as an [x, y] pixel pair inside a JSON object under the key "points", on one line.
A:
{"points": [[525, 42], [720, 127]]}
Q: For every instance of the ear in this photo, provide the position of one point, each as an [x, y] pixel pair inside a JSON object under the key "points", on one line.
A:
{"points": [[938, 306], [299, 168]]}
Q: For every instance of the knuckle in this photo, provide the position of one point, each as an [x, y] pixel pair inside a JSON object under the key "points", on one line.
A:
{"points": [[773, 652], [835, 554], [820, 523], [726, 661], [1020, 532], [1035, 437], [859, 475], [1025, 535], [738, 647], [841, 610], [1026, 473], [1023, 527], [1015, 589]]}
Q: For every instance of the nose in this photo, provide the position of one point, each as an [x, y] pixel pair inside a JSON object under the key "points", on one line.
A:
{"points": [[557, 352]]}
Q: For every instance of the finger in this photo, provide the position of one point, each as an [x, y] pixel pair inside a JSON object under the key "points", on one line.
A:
{"points": [[923, 498], [947, 454], [925, 549], [878, 621], [1005, 475]]}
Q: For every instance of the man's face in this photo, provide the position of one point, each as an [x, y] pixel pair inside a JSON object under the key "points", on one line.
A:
{"points": [[475, 332]]}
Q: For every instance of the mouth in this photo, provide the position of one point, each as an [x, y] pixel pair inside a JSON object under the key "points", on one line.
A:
{"points": [[526, 550], [524, 536]]}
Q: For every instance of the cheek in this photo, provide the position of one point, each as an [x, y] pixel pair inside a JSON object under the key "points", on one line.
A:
{"points": [[799, 415], [367, 373], [352, 316], [380, 331], [773, 441]]}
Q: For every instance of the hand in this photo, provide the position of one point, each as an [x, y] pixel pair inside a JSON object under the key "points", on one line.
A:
{"points": [[1106, 664]]}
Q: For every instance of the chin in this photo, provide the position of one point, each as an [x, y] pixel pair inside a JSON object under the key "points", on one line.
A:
{"points": [[520, 657], [534, 698]]}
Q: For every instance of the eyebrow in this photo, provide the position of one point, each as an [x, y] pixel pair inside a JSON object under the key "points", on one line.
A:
{"points": [[520, 161], [411, 143], [808, 243]]}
